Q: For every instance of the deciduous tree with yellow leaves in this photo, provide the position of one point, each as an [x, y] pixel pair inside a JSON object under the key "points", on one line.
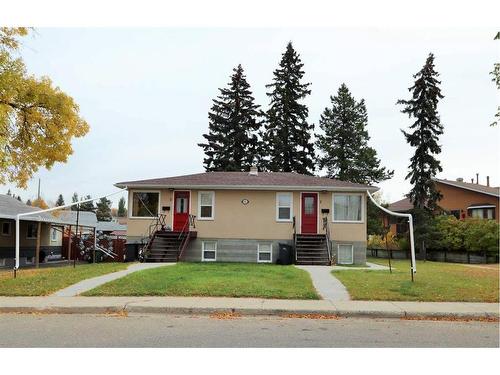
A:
{"points": [[37, 120]]}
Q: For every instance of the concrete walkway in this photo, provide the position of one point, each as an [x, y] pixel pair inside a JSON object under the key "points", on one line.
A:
{"points": [[88, 284], [246, 306], [369, 267], [328, 286]]}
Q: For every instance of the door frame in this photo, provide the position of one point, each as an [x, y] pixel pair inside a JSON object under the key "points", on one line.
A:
{"points": [[317, 211], [173, 204]]}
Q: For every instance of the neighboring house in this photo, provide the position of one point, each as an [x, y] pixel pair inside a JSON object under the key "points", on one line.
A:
{"points": [[51, 229], [112, 228], [243, 216], [460, 199]]}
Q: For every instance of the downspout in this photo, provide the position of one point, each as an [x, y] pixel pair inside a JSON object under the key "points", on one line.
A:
{"points": [[33, 213], [410, 223]]}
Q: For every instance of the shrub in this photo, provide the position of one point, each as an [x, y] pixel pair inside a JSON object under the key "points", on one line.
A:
{"points": [[378, 242], [481, 235]]}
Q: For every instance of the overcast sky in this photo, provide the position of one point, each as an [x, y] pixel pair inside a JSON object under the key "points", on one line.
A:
{"points": [[146, 94]]}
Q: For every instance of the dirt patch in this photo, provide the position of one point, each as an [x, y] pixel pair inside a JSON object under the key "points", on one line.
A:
{"points": [[225, 315]]}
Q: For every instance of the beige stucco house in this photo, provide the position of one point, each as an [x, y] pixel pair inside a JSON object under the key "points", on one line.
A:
{"points": [[244, 216]]}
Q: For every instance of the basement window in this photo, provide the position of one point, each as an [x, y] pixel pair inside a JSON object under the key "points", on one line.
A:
{"points": [[264, 253], [345, 254], [209, 251]]}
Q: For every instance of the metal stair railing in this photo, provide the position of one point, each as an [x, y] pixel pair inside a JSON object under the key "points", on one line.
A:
{"points": [[185, 235], [326, 227], [158, 223]]}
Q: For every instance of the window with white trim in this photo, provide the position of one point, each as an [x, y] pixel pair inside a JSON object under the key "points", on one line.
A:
{"points": [[348, 208], [284, 205], [209, 251], [206, 205], [6, 228], [345, 254], [145, 204], [264, 252], [53, 234], [31, 231]]}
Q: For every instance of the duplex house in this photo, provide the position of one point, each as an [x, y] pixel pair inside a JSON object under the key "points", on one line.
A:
{"points": [[459, 198], [244, 216]]}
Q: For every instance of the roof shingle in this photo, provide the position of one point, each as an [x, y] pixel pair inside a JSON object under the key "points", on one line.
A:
{"points": [[245, 180]]}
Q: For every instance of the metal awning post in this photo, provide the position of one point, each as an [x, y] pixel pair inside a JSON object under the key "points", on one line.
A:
{"points": [[410, 222]]}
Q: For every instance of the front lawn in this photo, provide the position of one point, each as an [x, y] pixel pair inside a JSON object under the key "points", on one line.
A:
{"points": [[214, 280], [434, 282], [45, 281]]}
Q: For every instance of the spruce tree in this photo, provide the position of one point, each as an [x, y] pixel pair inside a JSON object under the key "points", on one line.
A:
{"points": [[424, 136], [87, 206], [232, 142], [344, 145], [103, 211], [60, 201], [122, 210], [287, 134], [74, 199]]}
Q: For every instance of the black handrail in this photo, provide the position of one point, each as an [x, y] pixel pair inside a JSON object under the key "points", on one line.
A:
{"points": [[326, 227]]}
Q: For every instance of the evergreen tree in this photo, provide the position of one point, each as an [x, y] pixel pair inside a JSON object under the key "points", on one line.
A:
{"points": [[87, 206], [103, 211], [344, 144], [232, 142], [122, 210], [60, 201], [424, 136], [74, 199], [287, 135]]}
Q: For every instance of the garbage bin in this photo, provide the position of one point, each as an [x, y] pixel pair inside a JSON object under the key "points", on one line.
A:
{"points": [[285, 254]]}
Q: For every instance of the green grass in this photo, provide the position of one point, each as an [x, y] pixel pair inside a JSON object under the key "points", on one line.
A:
{"points": [[45, 281], [434, 282], [214, 279]]}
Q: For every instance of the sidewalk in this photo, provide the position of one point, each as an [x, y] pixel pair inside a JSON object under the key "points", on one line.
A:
{"points": [[89, 284], [245, 306]]}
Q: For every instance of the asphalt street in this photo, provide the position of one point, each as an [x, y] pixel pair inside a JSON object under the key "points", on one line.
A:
{"points": [[155, 330]]}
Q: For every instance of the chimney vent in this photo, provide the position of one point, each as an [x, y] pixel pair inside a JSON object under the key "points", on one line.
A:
{"points": [[487, 180], [477, 178], [460, 179], [472, 180], [254, 171]]}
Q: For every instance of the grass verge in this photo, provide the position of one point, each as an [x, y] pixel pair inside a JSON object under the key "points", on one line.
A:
{"points": [[45, 281], [434, 282], [214, 280]]}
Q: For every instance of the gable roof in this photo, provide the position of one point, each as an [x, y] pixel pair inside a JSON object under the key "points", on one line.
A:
{"points": [[244, 180], [488, 190], [402, 205]]}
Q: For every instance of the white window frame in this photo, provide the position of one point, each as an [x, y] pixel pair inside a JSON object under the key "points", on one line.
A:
{"points": [[131, 204], [290, 194], [265, 252], [352, 252], [203, 252], [27, 231], [199, 217], [349, 221], [52, 231], [10, 229]]}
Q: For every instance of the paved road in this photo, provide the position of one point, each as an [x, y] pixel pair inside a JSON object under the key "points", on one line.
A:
{"points": [[19, 330]]}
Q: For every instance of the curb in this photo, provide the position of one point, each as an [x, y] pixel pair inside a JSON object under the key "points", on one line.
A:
{"points": [[138, 309]]}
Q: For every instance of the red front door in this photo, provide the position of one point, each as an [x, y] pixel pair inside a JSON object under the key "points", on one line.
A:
{"points": [[181, 210], [309, 219]]}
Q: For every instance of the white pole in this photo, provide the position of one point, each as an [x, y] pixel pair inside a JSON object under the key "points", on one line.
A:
{"points": [[410, 222], [49, 210]]}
